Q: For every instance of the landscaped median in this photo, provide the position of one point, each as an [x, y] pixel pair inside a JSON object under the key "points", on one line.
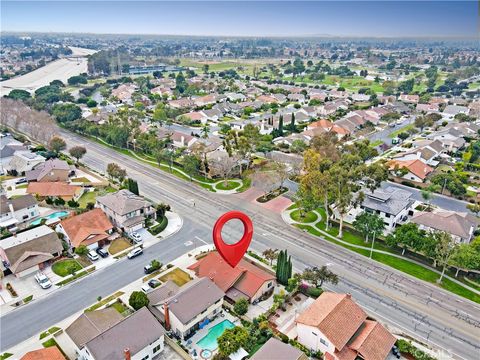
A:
{"points": [[232, 186], [314, 223]]}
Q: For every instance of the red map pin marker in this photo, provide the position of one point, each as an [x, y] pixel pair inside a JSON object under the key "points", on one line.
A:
{"points": [[233, 253]]}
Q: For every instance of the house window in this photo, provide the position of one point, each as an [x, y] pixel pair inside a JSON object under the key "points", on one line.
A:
{"points": [[387, 215], [323, 342], [157, 348], [269, 284], [145, 357]]}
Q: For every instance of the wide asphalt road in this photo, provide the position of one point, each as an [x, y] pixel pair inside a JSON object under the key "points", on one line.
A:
{"points": [[405, 304]]}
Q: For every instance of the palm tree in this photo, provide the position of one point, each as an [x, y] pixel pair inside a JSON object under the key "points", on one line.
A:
{"points": [[205, 131]]}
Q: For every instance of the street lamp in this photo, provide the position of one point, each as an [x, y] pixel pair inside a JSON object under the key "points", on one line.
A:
{"points": [[373, 243]]}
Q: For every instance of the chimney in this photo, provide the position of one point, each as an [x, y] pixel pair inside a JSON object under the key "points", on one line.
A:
{"points": [[349, 296], [127, 354], [167, 316]]}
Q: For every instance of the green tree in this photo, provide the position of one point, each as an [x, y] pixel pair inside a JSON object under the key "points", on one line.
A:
{"points": [[77, 152], [369, 224], [57, 144], [191, 165], [205, 67], [132, 185], [270, 255], [77, 79], [73, 204], [116, 172], [444, 250], [407, 236], [241, 306], [465, 257], [318, 275], [284, 267], [205, 131], [427, 196], [232, 339], [138, 299], [18, 94], [66, 112], [81, 250]]}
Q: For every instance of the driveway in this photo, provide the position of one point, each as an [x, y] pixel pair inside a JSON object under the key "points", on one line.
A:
{"points": [[148, 239]]}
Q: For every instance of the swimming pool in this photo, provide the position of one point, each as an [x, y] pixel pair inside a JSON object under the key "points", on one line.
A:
{"points": [[55, 215], [209, 341]]}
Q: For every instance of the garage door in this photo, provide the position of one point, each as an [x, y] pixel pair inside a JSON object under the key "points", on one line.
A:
{"points": [[135, 228], [92, 246]]}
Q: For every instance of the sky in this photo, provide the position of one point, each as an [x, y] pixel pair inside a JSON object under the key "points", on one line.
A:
{"points": [[251, 18]]}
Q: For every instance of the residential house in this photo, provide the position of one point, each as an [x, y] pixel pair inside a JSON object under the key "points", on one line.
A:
{"points": [[8, 147], [50, 170], [212, 115], [246, 280], [289, 139], [205, 100], [393, 205], [17, 210], [409, 99], [360, 97], [181, 140], [124, 92], [451, 110], [460, 225], [268, 99], [55, 189], [102, 335], [23, 161], [195, 116], [91, 228], [414, 170], [29, 251], [426, 151], [126, 210], [278, 350], [195, 303], [451, 139], [300, 98], [324, 124], [335, 325], [427, 108], [49, 353], [182, 103]]}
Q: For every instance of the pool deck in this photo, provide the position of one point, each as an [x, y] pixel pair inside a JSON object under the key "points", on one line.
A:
{"points": [[192, 342]]}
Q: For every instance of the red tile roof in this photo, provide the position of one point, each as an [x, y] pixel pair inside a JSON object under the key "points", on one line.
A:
{"points": [[416, 167], [245, 277], [87, 228], [50, 353], [337, 316], [52, 189], [373, 342]]}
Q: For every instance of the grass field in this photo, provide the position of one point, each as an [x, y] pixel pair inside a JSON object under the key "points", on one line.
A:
{"points": [[177, 275], [306, 218], [66, 267], [118, 245], [229, 186]]}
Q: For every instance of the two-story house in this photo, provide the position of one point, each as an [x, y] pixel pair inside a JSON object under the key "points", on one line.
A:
{"points": [[92, 229], [184, 309], [126, 210], [460, 225], [105, 335], [17, 210], [335, 325]]}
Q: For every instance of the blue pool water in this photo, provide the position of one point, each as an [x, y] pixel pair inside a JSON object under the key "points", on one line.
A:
{"points": [[209, 341], [54, 215]]}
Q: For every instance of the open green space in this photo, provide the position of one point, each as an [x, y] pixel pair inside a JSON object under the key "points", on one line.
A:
{"points": [[401, 130], [229, 185], [104, 301], [5, 356], [119, 306], [78, 275], [118, 245], [303, 217], [66, 267], [177, 275]]}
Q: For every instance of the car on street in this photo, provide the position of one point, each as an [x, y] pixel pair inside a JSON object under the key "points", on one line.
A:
{"points": [[43, 280], [136, 237], [102, 252], [134, 253], [153, 283], [148, 269], [92, 255]]}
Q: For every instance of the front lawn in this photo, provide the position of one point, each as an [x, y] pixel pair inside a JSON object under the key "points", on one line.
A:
{"points": [[118, 245], [177, 275], [230, 185], [119, 306], [80, 179], [22, 186], [66, 267], [303, 217]]}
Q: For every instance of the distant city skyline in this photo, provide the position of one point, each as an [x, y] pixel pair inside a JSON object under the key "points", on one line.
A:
{"points": [[442, 19]]}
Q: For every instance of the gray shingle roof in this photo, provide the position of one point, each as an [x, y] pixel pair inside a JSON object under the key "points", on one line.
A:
{"points": [[390, 200], [275, 349], [193, 298], [123, 202], [135, 332], [458, 224]]}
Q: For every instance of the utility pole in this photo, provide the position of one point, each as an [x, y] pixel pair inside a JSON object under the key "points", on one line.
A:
{"points": [[444, 184], [373, 243]]}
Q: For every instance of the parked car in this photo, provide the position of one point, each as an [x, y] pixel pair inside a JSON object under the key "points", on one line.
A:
{"points": [[92, 255], [21, 181], [43, 280], [148, 269], [153, 283], [136, 237], [102, 252], [146, 288], [134, 253]]}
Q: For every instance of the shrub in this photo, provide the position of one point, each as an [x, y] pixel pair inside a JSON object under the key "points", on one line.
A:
{"points": [[169, 266], [81, 250], [314, 292], [241, 307], [138, 299], [406, 347], [283, 337]]}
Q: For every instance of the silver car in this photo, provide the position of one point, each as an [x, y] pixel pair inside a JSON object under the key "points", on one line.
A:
{"points": [[43, 280]]}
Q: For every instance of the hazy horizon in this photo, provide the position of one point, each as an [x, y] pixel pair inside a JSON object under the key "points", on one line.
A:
{"points": [[343, 19]]}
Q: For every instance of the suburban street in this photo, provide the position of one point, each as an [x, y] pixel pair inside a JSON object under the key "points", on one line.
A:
{"points": [[403, 303]]}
